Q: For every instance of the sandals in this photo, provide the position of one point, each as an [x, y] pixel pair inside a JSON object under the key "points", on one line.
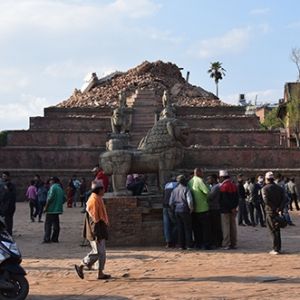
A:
{"points": [[79, 271]]}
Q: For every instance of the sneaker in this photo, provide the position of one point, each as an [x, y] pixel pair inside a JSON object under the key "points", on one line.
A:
{"points": [[274, 252], [226, 248]]}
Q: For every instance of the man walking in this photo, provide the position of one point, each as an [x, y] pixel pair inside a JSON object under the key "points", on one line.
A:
{"points": [[200, 215], [292, 188], [274, 199], [95, 231], [54, 207]]}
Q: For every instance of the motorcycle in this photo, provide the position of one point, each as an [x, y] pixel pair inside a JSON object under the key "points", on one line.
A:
{"points": [[13, 283]]}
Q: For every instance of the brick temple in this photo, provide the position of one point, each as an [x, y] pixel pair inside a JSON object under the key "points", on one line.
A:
{"points": [[69, 137]]}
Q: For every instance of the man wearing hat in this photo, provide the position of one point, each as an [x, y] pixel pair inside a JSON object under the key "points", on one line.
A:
{"points": [[274, 199], [229, 200], [95, 231]]}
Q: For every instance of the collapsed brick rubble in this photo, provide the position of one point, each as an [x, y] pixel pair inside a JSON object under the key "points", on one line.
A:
{"points": [[158, 76]]}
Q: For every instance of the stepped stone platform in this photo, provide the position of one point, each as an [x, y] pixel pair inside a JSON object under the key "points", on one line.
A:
{"points": [[67, 140]]}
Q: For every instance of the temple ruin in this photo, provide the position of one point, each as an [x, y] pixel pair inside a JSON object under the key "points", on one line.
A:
{"points": [[69, 138]]}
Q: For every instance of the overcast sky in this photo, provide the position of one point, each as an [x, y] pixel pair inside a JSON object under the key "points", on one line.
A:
{"points": [[48, 46]]}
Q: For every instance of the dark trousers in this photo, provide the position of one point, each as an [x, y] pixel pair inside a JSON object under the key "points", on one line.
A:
{"points": [[255, 208], [243, 212], [201, 229], [51, 227], [216, 228], [9, 223], [33, 209], [275, 233], [294, 199], [184, 225], [41, 205]]}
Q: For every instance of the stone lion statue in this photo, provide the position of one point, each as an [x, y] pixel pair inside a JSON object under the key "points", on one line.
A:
{"points": [[160, 151]]}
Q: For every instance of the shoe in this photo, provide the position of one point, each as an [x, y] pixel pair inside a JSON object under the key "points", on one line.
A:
{"points": [[104, 276], [168, 245], [263, 225], [79, 271], [54, 241], [242, 224], [46, 242], [233, 247], [274, 252], [226, 248], [40, 221], [292, 224]]}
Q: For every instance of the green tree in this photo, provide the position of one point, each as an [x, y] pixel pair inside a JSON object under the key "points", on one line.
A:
{"points": [[293, 120], [217, 72], [271, 120]]}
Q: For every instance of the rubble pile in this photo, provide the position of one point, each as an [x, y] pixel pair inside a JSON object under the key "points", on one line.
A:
{"points": [[158, 76]]}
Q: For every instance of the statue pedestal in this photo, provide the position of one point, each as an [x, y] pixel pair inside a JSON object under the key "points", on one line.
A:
{"points": [[134, 220]]}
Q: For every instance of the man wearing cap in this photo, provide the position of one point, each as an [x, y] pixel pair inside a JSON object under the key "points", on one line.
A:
{"points": [[54, 207], [181, 202], [274, 199], [229, 200], [95, 231]]}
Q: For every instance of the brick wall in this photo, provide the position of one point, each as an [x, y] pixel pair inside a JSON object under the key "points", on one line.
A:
{"points": [[131, 223], [237, 137]]}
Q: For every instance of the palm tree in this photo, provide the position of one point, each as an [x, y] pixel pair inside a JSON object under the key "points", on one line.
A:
{"points": [[217, 72]]}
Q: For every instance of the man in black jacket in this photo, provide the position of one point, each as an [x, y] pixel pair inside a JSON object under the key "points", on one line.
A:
{"points": [[7, 201], [274, 199]]}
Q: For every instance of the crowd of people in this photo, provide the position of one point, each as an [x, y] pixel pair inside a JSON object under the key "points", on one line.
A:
{"points": [[201, 214], [198, 213]]}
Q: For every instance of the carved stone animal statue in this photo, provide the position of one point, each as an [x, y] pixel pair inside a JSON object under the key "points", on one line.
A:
{"points": [[160, 151]]}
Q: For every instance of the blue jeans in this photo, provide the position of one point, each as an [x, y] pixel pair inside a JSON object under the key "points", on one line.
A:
{"points": [[286, 214], [170, 227]]}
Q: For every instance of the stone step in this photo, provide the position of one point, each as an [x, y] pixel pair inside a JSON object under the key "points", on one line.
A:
{"points": [[241, 157], [71, 123], [49, 157], [56, 138], [211, 137]]}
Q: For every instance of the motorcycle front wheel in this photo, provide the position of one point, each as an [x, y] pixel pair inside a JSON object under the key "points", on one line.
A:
{"points": [[20, 290]]}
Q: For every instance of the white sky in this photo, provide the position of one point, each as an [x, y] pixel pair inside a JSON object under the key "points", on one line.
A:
{"points": [[48, 46]]}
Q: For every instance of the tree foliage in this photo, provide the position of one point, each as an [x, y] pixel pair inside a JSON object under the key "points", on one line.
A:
{"points": [[217, 72], [272, 121], [293, 110]]}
